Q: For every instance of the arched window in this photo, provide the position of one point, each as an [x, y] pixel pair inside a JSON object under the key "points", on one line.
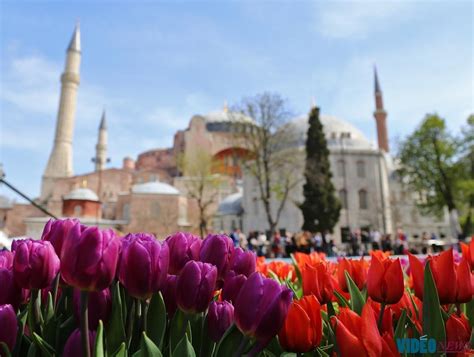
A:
{"points": [[361, 169], [363, 201], [77, 211], [343, 198], [341, 170], [126, 211]]}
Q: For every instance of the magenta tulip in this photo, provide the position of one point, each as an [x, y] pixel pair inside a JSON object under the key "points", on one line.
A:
{"points": [[243, 262], [217, 250], [143, 265], [169, 294], [9, 326], [219, 318], [99, 306], [56, 231], [73, 347], [89, 258], [183, 248], [35, 264], [232, 285], [195, 286], [6, 259], [261, 308]]}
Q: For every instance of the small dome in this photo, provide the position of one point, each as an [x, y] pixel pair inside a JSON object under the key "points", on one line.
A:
{"points": [[154, 188], [5, 202], [231, 205], [83, 194], [227, 116]]}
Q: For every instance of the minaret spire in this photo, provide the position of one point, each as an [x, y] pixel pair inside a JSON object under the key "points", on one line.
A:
{"points": [[101, 148], [60, 160], [380, 115]]}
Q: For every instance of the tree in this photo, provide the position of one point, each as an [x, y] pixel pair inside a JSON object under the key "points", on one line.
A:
{"points": [[201, 183], [466, 184], [428, 166], [271, 163], [321, 207]]}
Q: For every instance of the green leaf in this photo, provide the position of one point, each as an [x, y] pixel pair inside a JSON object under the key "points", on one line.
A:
{"points": [[148, 348], [230, 342], [156, 320], [99, 341], [121, 352], [4, 348], [48, 312], [341, 299], [184, 348], [401, 329], [274, 347], [207, 345], [470, 312], [32, 350], [357, 299], [272, 275], [115, 329], [45, 348], [433, 323], [178, 327], [297, 268]]}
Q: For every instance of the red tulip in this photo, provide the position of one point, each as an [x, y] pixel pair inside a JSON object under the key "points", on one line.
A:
{"points": [[450, 279], [357, 335], [303, 327], [357, 269], [468, 252], [317, 281], [458, 331], [385, 280]]}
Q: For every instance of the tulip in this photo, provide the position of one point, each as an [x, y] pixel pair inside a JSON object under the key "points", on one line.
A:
{"points": [[183, 247], [458, 330], [195, 286], [99, 306], [389, 348], [10, 291], [6, 259], [219, 318], [261, 309], [243, 262], [56, 231], [143, 265], [9, 326], [35, 264], [317, 281], [303, 327], [73, 347], [357, 269], [450, 279], [232, 285], [468, 252], [89, 258], [385, 280], [357, 335], [217, 250], [169, 294]]}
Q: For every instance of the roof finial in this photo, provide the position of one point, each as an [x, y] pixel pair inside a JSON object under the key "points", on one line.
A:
{"points": [[226, 107], [75, 44], [84, 183], [313, 102], [376, 81], [103, 123]]}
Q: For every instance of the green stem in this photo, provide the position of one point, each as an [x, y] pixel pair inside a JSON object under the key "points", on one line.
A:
{"points": [[131, 318], [32, 314], [85, 324], [243, 344], [382, 309], [55, 290], [144, 315]]}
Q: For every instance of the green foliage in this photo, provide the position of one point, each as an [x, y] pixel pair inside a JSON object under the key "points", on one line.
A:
{"points": [[321, 207], [357, 299], [156, 324], [115, 329]]}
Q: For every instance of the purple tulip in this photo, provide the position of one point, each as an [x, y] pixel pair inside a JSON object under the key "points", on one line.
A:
{"points": [[56, 231], [183, 248], [195, 286], [261, 308], [99, 306], [217, 249], [35, 264], [243, 262], [9, 326], [6, 259], [143, 265], [10, 291], [219, 318], [232, 284], [169, 294], [89, 258], [73, 347]]}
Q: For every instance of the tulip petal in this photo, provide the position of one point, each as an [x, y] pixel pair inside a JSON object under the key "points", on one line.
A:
{"points": [[393, 282], [370, 333], [417, 273]]}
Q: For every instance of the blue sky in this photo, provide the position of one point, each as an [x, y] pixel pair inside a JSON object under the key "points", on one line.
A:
{"points": [[153, 65]]}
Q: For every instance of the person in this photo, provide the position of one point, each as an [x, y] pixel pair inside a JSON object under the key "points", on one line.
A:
{"points": [[262, 244], [276, 245], [387, 243], [375, 238], [318, 242], [243, 243], [355, 239]]}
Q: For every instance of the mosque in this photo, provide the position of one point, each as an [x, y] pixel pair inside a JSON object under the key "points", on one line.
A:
{"points": [[151, 193]]}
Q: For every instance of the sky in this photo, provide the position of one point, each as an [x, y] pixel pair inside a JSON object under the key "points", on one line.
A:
{"points": [[153, 64]]}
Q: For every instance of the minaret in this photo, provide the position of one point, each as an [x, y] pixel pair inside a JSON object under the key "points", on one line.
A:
{"points": [[101, 148], [60, 160], [380, 115]]}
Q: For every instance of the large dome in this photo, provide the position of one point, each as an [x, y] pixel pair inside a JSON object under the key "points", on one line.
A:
{"points": [[83, 194], [154, 188], [227, 116], [338, 132]]}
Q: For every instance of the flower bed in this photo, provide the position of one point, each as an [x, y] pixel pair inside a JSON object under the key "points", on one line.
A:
{"points": [[82, 291]]}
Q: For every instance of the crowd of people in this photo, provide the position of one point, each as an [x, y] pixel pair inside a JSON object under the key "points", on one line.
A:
{"points": [[357, 243]]}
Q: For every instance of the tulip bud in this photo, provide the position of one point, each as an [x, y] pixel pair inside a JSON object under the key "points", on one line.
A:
{"points": [[385, 280], [55, 231], [143, 265], [35, 264], [9, 326], [261, 308], [169, 294], [357, 270], [217, 250], [318, 281], [10, 291], [243, 262], [73, 346], [458, 329], [232, 285], [183, 247], [219, 318], [195, 286], [6, 259], [89, 258], [99, 306]]}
